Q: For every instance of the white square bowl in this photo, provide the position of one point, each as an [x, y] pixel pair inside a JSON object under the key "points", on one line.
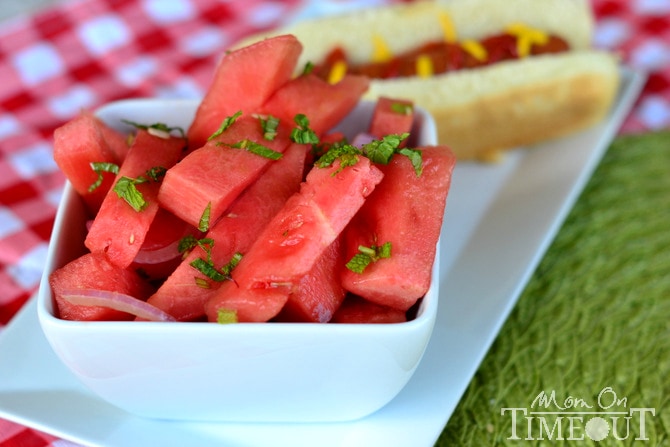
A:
{"points": [[261, 372]]}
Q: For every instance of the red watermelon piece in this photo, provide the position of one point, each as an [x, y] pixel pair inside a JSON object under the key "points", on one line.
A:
{"points": [[77, 144], [118, 230], [117, 141], [237, 229], [391, 116], [324, 104], [214, 175], [407, 211], [243, 80], [248, 305], [310, 221], [356, 310], [318, 294], [94, 271]]}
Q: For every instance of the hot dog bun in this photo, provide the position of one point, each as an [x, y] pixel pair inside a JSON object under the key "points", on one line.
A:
{"points": [[483, 110]]}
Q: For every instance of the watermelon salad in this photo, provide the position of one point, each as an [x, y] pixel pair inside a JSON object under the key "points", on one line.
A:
{"points": [[259, 211]]}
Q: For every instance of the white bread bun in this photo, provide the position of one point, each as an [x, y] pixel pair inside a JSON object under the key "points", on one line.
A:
{"points": [[482, 110], [512, 103]]}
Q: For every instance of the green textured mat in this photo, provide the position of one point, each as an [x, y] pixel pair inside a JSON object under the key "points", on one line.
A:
{"points": [[595, 314]]}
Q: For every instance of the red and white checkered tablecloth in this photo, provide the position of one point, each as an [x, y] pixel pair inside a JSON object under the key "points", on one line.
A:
{"points": [[84, 53]]}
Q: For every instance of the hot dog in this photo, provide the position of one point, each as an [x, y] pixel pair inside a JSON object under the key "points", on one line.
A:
{"points": [[495, 74]]}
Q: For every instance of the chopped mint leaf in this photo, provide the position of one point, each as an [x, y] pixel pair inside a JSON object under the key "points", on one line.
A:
{"points": [[187, 243], [415, 158], [303, 134], [228, 268], [208, 270], [227, 122], [367, 255], [269, 126], [401, 108], [203, 224], [125, 188], [226, 316], [381, 151], [156, 173], [341, 151], [99, 168], [258, 149], [309, 68]]}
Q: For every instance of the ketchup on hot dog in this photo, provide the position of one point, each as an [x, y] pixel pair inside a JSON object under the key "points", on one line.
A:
{"points": [[444, 56]]}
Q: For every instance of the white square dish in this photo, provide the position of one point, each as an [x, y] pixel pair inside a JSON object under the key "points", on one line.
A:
{"points": [[269, 372]]}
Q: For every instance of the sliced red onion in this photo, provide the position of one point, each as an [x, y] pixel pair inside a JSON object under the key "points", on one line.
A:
{"points": [[163, 254], [361, 139], [117, 301]]}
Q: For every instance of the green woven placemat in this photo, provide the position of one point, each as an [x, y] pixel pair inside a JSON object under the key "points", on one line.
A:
{"points": [[594, 321]]}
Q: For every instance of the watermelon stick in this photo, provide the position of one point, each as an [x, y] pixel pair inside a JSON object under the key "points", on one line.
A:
{"points": [[78, 143], [185, 291], [406, 211], [308, 224], [213, 176], [121, 225], [243, 80], [319, 293]]}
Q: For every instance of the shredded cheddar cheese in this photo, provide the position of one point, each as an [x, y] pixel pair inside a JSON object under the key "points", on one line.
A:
{"points": [[380, 50], [475, 49], [424, 66], [526, 37], [337, 72], [448, 28]]}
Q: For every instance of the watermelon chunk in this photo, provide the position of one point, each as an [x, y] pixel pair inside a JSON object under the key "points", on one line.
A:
{"points": [[324, 104], [310, 221], [118, 230], [318, 294], [391, 116], [214, 175], [243, 80], [77, 144], [248, 305], [356, 310], [407, 211], [94, 271], [179, 295], [117, 141]]}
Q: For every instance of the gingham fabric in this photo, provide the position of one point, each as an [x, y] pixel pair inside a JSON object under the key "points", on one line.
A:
{"points": [[84, 53]]}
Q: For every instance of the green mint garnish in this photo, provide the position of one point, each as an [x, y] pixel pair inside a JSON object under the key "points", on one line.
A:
{"points": [[203, 224], [402, 109], [258, 149], [303, 134], [269, 126], [126, 188], [367, 255], [99, 168], [227, 122], [226, 316]]}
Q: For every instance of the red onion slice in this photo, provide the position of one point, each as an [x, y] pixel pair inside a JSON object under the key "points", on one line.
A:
{"points": [[117, 301], [362, 139]]}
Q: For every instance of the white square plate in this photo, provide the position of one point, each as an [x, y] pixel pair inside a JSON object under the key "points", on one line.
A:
{"points": [[512, 209]]}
